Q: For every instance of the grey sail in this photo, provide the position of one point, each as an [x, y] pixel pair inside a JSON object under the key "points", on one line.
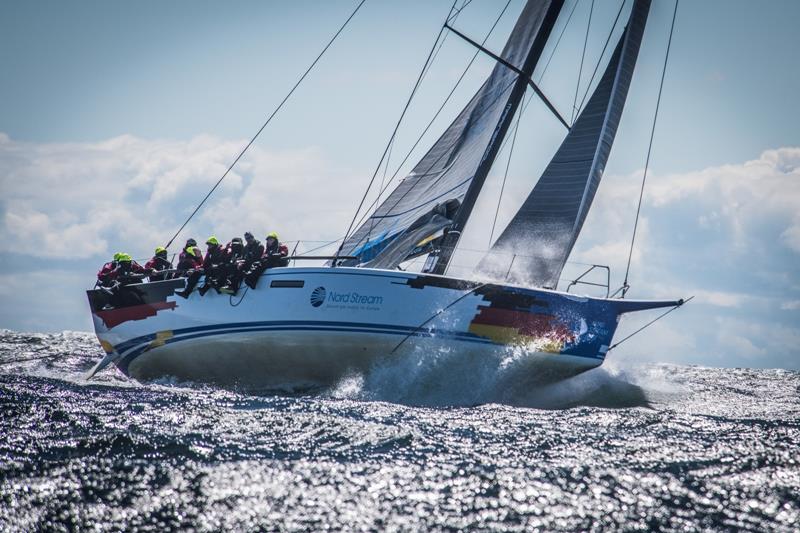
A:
{"points": [[536, 243], [431, 196]]}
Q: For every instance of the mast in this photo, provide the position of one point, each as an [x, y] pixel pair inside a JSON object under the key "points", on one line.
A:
{"points": [[452, 236]]}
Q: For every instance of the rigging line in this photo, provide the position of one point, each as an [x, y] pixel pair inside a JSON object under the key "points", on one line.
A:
{"points": [[583, 56], [555, 47], [656, 319], [441, 107], [430, 64], [600, 58], [649, 150], [439, 312], [433, 164], [320, 247], [394, 133], [505, 176], [458, 11], [269, 119]]}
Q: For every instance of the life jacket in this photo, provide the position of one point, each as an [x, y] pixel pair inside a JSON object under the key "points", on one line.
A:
{"points": [[253, 251], [187, 261], [104, 274], [126, 275], [215, 257], [233, 255], [275, 254], [157, 265]]}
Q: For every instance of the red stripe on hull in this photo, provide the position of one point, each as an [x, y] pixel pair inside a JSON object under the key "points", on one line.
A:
{"points": [[531, 324], [114, 317]]}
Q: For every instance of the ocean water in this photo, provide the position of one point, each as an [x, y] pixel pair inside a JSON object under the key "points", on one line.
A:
{"points": [[424, 444]]}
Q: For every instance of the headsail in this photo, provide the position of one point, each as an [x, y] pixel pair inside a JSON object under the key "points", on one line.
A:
{"points": [[535, 245], [431, 196]]}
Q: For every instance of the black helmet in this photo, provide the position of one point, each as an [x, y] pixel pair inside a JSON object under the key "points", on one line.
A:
{"points": [[191, 242], [248, 236], [236, 240]]}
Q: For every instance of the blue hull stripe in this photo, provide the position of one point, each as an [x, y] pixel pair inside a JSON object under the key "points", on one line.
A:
{"points": [[139, 345]]}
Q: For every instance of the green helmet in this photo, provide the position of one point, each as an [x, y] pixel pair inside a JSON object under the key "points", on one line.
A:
{"points": [[213, 241], [160, 250], [124, 258], [273, 235], [117, 256]]}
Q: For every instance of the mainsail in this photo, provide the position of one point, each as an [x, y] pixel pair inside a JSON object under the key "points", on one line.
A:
{"points": [[535, 245], [433, 194]]}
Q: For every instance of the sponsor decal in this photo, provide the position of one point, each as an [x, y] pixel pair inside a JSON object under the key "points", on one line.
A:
{"points": [[318, 296], [345, 300]]}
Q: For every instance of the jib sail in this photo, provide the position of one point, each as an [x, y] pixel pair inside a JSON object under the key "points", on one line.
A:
{"points": [[535, 245]]}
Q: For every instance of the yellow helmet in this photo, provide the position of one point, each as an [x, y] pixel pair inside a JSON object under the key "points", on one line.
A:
{"points": [[213, 241], [117, 256], [273, 235], [124, 258], [160, 249]]}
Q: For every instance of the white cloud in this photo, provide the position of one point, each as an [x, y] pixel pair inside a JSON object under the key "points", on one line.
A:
{"points": [[78, 200], [742, 195]]}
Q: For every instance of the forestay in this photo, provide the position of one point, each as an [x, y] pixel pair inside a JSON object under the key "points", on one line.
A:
{"points": [[535, 245], [427, 200]]}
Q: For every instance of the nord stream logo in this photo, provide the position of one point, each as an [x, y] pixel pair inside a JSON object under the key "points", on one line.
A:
{"points": [[318, 296]]}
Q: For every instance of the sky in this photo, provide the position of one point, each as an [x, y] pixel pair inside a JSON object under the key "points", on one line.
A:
{"points": [[117, 117]]}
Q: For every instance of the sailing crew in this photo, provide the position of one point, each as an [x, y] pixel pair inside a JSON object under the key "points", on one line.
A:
{"points": [[214, 265], [274, 252], [159, 266], [234, 252], [274, 255], [190, 264], [104, 274], [128, 271], [249, 268], [253, 250]]}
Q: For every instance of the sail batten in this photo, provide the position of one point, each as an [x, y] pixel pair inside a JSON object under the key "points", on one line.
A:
{"points": [[535, 245], [451, 172]]}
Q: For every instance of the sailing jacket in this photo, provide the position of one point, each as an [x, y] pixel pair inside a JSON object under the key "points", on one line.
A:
{"points": [[155, 266], [232, 254], [253, 251], [275, 253], [187, 261], [124, 274], [104, 274], [215, 257]]}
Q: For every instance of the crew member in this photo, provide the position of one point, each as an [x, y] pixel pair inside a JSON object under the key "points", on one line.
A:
{"points": [[158, 268], [274, 255], [104, 274], [234, 252], [128, 271], [251, 265], [274, 252], [214, 265], [190, 264]]}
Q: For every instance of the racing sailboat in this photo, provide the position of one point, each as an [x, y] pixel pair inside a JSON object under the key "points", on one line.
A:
{"points": [[316, 324]]}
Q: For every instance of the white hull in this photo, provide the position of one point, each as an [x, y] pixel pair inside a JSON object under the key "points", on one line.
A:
{"points": [[316, 325]]}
